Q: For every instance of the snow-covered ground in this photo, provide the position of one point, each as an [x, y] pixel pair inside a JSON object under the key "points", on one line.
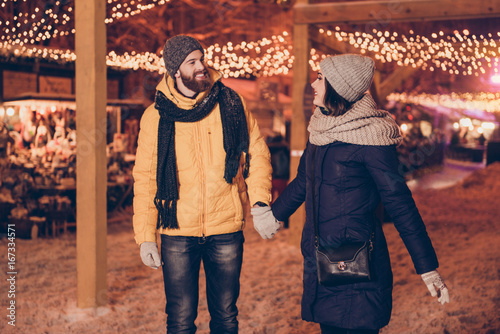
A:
{"points": [[463, 222]]}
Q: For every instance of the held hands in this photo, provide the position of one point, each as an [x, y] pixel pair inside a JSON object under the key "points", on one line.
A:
{"points": [[434, 281], [149, 254], [264, 221]]}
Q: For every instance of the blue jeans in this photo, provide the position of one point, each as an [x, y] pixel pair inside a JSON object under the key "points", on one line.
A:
{"points": [[222, 256]]}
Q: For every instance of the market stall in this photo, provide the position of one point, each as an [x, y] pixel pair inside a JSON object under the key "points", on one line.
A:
{"points": [[459, 125], [38, 164]]}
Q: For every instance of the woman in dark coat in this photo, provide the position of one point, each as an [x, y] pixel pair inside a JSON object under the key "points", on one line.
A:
{"points": [[352, 148]]}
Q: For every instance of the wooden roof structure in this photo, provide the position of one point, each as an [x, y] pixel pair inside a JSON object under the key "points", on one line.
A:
{"points": [[223, 21]]}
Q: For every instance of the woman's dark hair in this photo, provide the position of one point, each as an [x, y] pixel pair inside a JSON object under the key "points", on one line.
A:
{"points": [[335, 104]]}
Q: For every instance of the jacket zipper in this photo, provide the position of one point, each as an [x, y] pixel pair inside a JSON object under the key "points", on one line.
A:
{"points": [[203, 181], [204, 199]]}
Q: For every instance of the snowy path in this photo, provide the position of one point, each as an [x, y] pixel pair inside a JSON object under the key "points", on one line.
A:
{"points": [[462, 222]]}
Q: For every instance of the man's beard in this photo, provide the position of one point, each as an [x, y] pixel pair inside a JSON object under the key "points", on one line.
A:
{"points": [[195, 85]]}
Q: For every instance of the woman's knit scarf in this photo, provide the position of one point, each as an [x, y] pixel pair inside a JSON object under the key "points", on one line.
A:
{"points": [[235, 136], [363, 124]]}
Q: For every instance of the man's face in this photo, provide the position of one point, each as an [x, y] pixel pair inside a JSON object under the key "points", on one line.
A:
{"points": [[193, 72]]}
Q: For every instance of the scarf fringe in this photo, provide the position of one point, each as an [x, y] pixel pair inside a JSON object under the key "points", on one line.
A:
{"points": [[247, 165], [167, 214], [232, 165]]}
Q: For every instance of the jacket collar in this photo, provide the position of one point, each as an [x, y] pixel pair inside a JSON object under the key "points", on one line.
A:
{"points": [[167, 87]]}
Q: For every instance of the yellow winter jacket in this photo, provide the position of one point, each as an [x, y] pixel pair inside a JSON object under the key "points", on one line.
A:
{"points": [[207, 204]]}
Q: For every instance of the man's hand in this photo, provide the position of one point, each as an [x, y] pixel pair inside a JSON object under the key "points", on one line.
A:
{"points": [[264, 221], [436, 286], [149, 254]]}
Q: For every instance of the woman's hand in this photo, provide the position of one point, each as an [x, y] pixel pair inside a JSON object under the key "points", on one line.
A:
{"points": [[436, 286]]}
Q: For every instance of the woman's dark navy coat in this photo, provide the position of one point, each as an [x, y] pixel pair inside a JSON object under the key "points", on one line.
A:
{"points": [[350, 181]]}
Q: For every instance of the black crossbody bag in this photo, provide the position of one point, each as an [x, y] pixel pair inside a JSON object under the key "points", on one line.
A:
{"points": [[345, 264]]}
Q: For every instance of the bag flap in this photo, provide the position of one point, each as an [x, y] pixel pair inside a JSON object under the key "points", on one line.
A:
{"points": [[346, 252]]}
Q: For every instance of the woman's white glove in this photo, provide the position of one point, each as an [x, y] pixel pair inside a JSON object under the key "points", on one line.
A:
{"points": [[149, 254], [264, 221], [436, 286]]}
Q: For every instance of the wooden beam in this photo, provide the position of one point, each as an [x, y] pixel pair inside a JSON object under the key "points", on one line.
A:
{"points": [[298, 138], [90, 46], [377, 14], [394, 80]]}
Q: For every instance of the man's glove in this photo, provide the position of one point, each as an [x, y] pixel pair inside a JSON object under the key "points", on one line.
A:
{"points": [[149, 254], [434, 281], [264, 221]]}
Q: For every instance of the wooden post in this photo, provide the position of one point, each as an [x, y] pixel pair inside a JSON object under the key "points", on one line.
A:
{"points": [[298, 138], [91, 171]]}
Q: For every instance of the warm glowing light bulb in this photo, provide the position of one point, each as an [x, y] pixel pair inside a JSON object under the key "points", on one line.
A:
{"points": [[488, 125], [465, 122], [495, 79]]}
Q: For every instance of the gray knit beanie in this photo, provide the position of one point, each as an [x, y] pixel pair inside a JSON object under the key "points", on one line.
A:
{"points": [[176, 49], [349, 74]]}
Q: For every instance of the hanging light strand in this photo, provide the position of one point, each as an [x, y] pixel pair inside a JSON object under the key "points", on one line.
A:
{"points": [[459, 54], [39, 23], [489, 102], [265, 57], [131, 8]]}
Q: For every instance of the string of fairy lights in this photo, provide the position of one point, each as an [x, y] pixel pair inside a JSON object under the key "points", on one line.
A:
{"points": [[45, 22], [50, 21], [460, 54], [463, 53], [265, 57], [489, 102], [132, 8]]}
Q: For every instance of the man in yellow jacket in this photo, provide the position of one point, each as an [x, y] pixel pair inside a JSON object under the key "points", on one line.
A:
{"points": [[198, 150]]}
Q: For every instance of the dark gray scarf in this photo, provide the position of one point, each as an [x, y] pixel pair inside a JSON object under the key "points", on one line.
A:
{"points": [[236, 141]]}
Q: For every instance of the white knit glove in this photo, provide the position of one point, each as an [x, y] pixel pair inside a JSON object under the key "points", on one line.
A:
{"points": [[264, 221], [434, 281], [149, 254]]}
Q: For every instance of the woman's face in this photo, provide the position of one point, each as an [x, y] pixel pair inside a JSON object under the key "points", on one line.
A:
{"points": [[319, 87]]}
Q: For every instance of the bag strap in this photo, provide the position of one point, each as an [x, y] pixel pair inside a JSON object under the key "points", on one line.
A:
{"points": [[313, 192]]}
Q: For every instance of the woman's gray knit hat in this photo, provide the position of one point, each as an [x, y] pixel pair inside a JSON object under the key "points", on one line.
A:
{"points": [[350, 74], [176, 49]]}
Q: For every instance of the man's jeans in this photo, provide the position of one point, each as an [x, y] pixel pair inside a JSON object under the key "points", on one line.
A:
{"points": [[222, 257]]}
